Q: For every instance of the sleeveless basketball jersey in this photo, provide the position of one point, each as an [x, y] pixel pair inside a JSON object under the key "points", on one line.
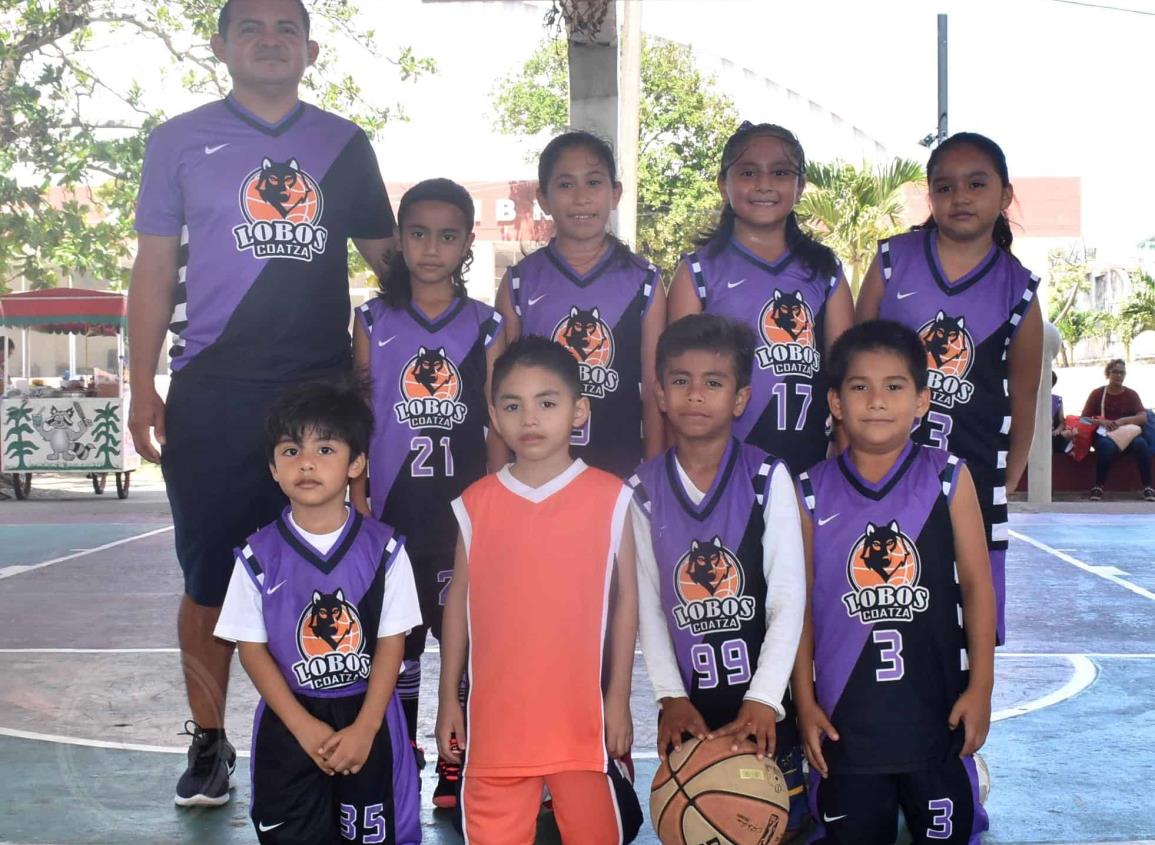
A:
{"points": [[264, 213], [785, 304], [710, 563], [322, 612], [967, 326], [540, 567], [598, 317], [430, 414], [890, 654]]}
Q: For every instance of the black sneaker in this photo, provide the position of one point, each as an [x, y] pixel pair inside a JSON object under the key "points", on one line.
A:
{"points": [[211, 764], [448, 783]]}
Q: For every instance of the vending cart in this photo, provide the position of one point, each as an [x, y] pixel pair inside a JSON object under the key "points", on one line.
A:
{"points": [[76, 424]]}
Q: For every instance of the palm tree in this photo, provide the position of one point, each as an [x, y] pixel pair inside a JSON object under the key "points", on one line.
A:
{"points": [[851, 208], [1138, 312]]}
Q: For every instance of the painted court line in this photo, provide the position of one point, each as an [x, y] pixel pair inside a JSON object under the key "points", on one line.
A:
{"points": [[1107, 573], [1084, 675], [9, 571]]}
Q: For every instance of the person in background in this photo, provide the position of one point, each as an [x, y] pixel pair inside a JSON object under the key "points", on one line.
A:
{"points": [[1111, 406]]}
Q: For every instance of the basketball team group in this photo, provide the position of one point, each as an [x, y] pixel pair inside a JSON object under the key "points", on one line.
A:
{"points": [[796, 500]]}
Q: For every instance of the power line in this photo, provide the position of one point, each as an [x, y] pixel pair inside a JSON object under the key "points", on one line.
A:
{"points": [[1105, 8]]}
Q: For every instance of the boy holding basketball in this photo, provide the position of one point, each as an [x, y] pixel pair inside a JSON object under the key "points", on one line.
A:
{"points": [[721, 583], [319, 605], [543, 598], [896, 664]]}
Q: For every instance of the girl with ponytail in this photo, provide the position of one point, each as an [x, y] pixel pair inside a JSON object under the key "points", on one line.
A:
{"points": [[759, 267], [954, 281]]}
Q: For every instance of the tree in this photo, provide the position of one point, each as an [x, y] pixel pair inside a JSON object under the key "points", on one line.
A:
{"points": [[851, 208], [1138, 312], [72, 141], [683, 127]]}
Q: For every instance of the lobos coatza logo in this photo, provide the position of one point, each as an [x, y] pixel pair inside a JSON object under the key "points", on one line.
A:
{"points": [[331, 643], [949, 357], [787, 327], [708, 581], [282, 205], [884, 569], [585, 334], [431, 387]]}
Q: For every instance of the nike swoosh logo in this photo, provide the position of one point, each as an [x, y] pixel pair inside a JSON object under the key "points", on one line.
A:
{"points": [[538, 299], [381, 343], [265, 828], [908, 293], [827, 519], [269, 593], [829, 819], [735, 284], [209, 151]]}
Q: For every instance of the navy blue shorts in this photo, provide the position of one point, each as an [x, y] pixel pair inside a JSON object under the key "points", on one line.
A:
{"points": [[219, 485]]}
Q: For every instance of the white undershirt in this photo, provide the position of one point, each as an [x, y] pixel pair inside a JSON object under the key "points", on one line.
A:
{"points": [[784, 568], [242, 616]]}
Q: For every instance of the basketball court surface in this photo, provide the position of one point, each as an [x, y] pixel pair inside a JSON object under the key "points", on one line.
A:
{"points": [[91, 702]]}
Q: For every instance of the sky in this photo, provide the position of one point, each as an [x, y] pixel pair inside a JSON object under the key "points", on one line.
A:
{"points": [[1064, 88]]}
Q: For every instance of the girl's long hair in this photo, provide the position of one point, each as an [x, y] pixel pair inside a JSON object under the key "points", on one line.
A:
{"points": [[396, 285], [820, 259]]}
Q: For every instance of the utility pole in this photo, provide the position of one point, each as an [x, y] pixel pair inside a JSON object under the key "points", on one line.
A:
{"points": [[629, 104], [942, 81]]}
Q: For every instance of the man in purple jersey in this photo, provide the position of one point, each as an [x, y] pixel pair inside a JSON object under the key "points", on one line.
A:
{"points": [[246, 207]]}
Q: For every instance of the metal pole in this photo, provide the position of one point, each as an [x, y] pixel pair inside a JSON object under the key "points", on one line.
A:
{"points": [[629, 103], [942, 79]]}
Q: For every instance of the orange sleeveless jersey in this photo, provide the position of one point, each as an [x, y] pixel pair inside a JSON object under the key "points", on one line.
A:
{"points": [[540, 565]]}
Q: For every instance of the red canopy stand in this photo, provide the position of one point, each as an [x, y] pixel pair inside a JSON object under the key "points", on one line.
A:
{"points": [[93, 313]]}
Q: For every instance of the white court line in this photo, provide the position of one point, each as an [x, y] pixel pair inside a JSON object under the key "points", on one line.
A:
{"points": [[1085, 674], [1108, 573], [9, 571]]}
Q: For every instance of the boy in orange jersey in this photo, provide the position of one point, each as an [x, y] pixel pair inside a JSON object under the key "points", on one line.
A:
{"points": [[544, 602]]}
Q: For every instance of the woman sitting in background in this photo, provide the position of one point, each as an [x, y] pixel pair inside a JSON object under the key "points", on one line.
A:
{"points": [[1112, 406]]}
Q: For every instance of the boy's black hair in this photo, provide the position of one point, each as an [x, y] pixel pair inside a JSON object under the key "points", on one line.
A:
{"points": [[396, 286], [815, 256], [709, 333], [877, 336], [226, 15], [536, 351], [1003, 236], [331, 410]]}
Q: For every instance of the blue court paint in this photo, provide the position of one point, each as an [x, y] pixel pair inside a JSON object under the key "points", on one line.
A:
{"points": [[21, 545]]}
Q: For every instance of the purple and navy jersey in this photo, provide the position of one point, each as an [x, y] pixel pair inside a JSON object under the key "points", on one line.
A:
{"points": [[264, 214], [890, 655], [430, 414], [785, 304], [967, 326], [598, 317], [322, 612], [710, 562]]}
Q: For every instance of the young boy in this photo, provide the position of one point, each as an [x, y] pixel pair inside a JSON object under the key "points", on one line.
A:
{"points": [[896, 665], [721, 583], [319, 605], [544, 600]]}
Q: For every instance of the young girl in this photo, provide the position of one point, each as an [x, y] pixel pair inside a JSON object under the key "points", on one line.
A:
{"points": [[428, 350], [588, 292], [955, 282], [760, 268]]}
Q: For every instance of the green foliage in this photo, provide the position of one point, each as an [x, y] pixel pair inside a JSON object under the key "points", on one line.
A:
{"points": [[64, 127], [18, 418], [851, 208], [1138, 313], [683, 126]]}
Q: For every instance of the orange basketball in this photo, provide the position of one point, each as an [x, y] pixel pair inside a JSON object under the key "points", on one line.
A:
{"points": [[707, 793], [788, 323], [957, 359], [347, 633]]}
